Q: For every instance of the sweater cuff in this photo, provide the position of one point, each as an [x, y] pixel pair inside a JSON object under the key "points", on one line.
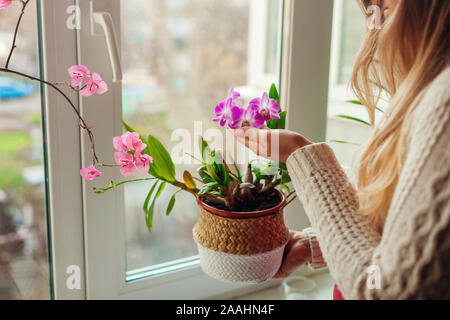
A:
{"points": [[312, 158], [317, 260]]}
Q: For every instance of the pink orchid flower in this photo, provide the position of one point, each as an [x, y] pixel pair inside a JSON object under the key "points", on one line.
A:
{"points": [[250, 117], [125, 160], [94, 85], [234, 95], [226, 112], [119, 145], [129, 141], [133, 142], [143, 161], [5, 3], [268, 108], [78, 74], [90, 173]]}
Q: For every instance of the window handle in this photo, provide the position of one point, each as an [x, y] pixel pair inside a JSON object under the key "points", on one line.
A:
{"points": [[105, 20]]}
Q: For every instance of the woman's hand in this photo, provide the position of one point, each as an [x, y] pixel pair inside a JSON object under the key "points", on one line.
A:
{"points": [[276, 145], [296, 254]]}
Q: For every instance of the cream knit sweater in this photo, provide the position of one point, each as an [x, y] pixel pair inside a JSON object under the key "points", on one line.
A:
{"points": [[412, 256]]}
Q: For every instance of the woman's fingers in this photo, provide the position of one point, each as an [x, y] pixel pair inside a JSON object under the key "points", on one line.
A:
{"points": [[296, 254], [254, 139]]}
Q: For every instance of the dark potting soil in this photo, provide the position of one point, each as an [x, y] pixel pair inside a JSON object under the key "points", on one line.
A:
{"points": [[258, 203]]}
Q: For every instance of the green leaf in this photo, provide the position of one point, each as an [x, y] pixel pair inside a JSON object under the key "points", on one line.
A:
{"points": [[195, 158], [285, 178], [205, 177], [357, 102], [162, 166], [273, 93], [285, 188], [172, 203], [150, 212], [210, 167], [379, 109], [346, 142], [145, 207], [209, 187], [235, 178], [278, 123], [354, 102], [188, 180], [354, 119], [226, 175], [204, 148], [257, 172], [239, 175], [127, 127]]}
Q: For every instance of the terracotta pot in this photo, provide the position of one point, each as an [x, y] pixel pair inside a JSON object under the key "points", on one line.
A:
{"points": [[241, 246]]}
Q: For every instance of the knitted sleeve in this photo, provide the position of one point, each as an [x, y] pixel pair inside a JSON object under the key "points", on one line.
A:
{"points": [[412, 258], [317, 260]]}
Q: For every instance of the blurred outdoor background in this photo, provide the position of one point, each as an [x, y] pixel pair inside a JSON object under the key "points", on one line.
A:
{"points": [[24, 272]]}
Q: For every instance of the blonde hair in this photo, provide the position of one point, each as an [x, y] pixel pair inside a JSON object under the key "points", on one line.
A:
{"points": [[406, 54]]}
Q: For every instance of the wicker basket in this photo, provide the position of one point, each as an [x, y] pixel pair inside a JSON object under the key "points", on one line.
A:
{"points": [[241, 247]]}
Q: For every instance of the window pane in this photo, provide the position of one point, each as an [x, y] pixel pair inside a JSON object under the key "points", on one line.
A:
{"points": [[352, 34], [348, 33], [180, 58], [23, 217]]}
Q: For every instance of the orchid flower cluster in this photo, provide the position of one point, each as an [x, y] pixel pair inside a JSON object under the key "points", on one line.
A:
{"points": [[217, 183], [129, 156], [90, 83], [258, 112]]}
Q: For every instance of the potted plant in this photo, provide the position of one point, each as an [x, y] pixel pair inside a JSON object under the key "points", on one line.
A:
{"points": [[240, 233]]}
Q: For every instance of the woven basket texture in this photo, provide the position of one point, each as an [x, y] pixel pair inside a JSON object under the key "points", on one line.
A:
{"points": [[241, 236]]}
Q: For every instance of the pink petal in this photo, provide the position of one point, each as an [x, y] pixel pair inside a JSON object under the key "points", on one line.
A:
{"points": [[275, 116], [133, 142], [143, 162], [258, 121], [96, 77], [118, 157], [78, 74], [256, 101], [274, 106], [127, 171], [118, 144], [5, 4], [236, 114], [265, 99], [79, 69], [219, 109], [90, 173], [89, 90], [85, 171], [102, 87]]}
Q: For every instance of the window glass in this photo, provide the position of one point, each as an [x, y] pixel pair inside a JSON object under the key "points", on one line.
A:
{"points": [[348, 32], [24, 269]]}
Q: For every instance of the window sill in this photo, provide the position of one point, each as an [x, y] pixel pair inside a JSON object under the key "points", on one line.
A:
{"points": [[323, 290]]}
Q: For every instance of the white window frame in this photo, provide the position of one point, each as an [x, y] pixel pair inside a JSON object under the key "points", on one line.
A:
{"points": [[66, 235], [88, 230]]}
